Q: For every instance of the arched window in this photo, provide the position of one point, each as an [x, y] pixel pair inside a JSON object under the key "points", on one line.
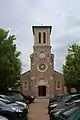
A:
{"points": [[44, 37], [58, 84], [25, 85], [39, 35], [42, 82]]}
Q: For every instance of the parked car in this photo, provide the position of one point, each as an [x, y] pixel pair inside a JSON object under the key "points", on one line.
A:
{"points": [[58, 97], [18, 96], [66, 104], [10, 99], [53, 102], [72, 114], [76, 103], [15, 95], [20, 111], [73, 93], [3, 118], [7, 112]]}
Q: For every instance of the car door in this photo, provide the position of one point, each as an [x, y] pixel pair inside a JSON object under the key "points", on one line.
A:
{"points": [[75, 115]]}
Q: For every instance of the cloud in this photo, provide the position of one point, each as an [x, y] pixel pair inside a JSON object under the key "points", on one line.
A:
{"points": [[19, 15]]}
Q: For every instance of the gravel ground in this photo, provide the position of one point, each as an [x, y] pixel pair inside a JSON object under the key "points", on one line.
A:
{"points": [[38, 110]]}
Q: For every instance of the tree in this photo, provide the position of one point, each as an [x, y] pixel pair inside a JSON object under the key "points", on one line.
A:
{"points": [[10, 64], [71, 68]]}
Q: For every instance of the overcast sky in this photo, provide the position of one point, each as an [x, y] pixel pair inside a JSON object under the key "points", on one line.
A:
{"points": [[18, 16]]}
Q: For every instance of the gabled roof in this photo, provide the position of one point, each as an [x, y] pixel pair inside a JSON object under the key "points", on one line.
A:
{"points": [[26, 72], [58, 72], [29, 72]]}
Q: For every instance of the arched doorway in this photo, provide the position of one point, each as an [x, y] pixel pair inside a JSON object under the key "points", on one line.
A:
{"points": [[42, 88], [42, 91]]}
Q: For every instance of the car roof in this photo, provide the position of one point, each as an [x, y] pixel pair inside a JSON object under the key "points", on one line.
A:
{"points": [[11, 91]]}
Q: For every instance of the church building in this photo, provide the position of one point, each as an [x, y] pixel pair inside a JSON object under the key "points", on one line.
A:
{"points": [[42, 80]]}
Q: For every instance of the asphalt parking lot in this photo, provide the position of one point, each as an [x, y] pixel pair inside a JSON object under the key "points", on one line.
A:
{"points": [[38, 110]]}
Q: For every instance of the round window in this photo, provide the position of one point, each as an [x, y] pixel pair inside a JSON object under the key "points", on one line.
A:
{"points": [[42, 67]]}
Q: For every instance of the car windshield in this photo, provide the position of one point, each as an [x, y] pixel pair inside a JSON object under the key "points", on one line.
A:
{"points": [[16, 96], [66, 98], [6, 101], [62, 102], [74, 97], [6, 97]]}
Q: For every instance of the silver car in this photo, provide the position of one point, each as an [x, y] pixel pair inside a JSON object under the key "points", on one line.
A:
{"points": [[3, 118]]}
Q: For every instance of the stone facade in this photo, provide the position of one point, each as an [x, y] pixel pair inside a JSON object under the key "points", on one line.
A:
{"points": [[42, 80]]}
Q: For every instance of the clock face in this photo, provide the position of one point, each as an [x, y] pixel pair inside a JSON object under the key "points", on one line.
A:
{"points": [[42, 67], [42, 54]]}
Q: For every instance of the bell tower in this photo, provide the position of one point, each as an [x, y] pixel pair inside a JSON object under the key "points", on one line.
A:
{"points": [[41, 35], [42, 62]]}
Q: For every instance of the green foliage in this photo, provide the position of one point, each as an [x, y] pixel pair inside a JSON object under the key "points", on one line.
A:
{"points": [[10, 64], [71, 68]]}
